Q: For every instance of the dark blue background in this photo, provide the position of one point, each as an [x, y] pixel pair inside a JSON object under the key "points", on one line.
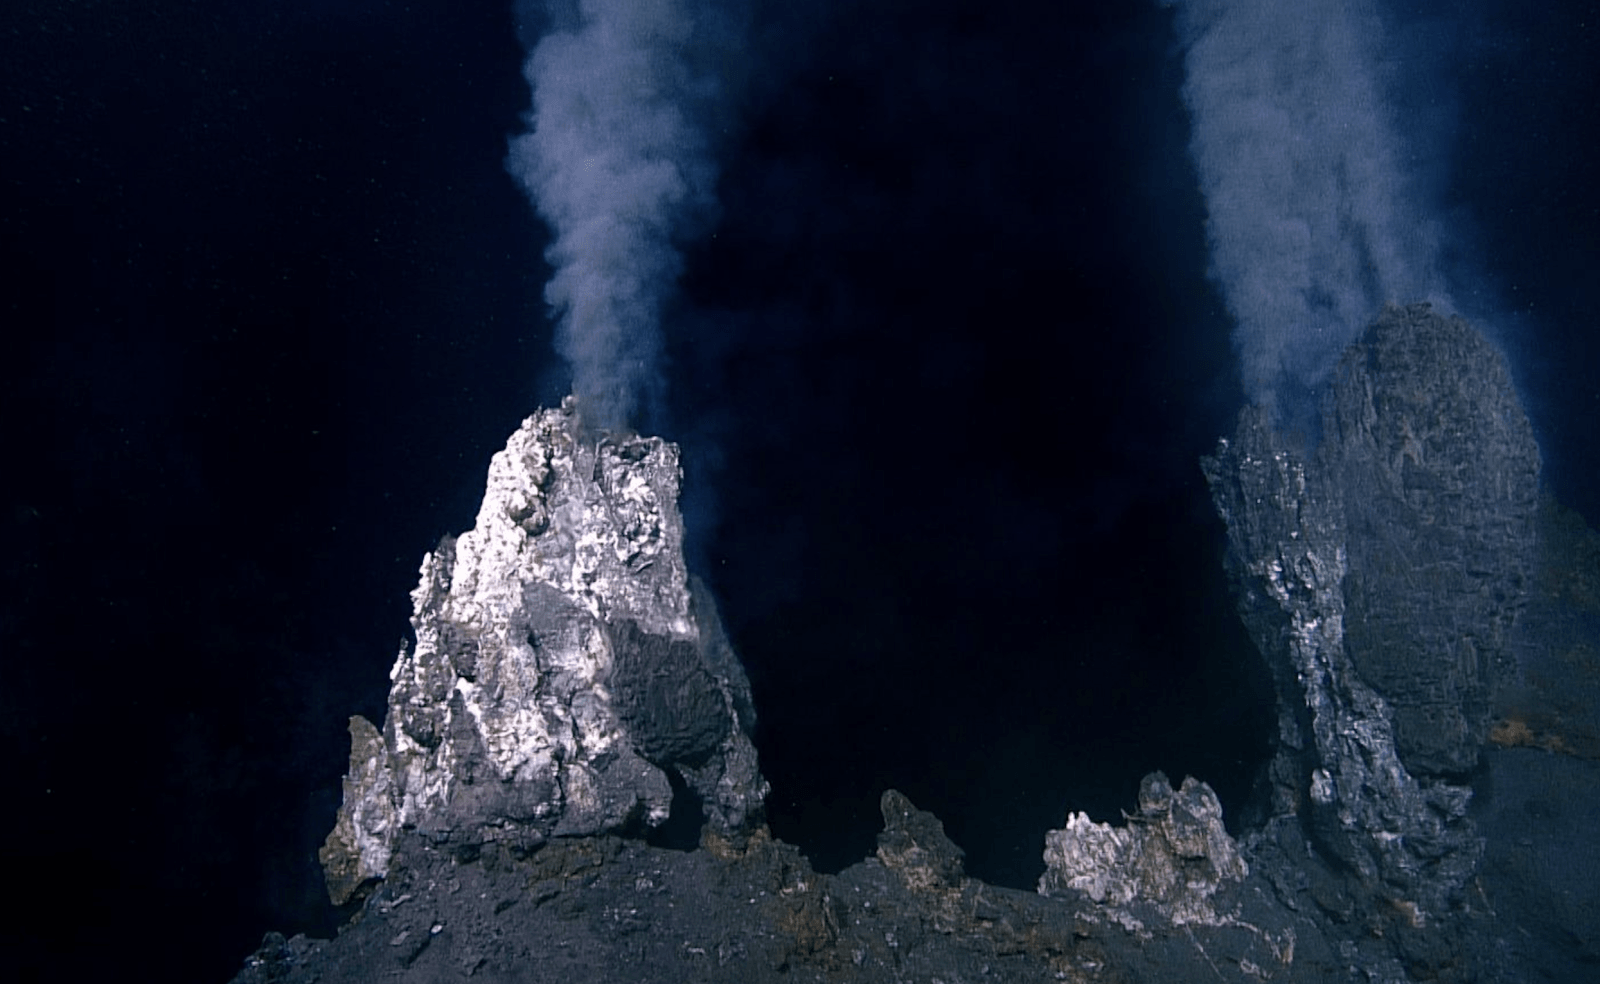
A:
{"points": [[941, 378]]}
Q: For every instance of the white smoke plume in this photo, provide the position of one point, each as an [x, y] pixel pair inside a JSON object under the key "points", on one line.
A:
{"points": [[618, 164], [1313, 220]]}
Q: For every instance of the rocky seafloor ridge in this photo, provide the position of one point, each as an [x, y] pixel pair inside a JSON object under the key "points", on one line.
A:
{"points": [[1430, 622]]}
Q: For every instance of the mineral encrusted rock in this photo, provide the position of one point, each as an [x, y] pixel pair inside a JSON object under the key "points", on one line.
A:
{"points": [[1379, 580], [358, 849], [1173, 853], [565, 668]]}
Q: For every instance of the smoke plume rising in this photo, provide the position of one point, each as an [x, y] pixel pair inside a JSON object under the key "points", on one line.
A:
{"points": [[618, 164], [1313, 217]]}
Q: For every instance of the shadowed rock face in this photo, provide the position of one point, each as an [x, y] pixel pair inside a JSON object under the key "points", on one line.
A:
{"points": [[1380, 580], [1439, 476], [565, 665]]}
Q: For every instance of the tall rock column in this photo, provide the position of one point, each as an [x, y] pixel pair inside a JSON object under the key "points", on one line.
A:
{"points": [[1439, 474], [1379, 580], [566, 667]]}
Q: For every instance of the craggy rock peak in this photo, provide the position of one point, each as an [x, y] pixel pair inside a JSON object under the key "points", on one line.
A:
{"points": [[1380, 580], [1173, 853], [566, 669]]}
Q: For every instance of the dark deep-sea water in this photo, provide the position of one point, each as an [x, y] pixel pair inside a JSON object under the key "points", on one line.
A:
{"points": [[941, 376]]}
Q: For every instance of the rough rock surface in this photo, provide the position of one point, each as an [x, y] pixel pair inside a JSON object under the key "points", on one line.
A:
{"points": [[1380, 580], [1439, 475], [599, 910], [565, 669], [1537, 799], [1174, 853], [603, 909]]}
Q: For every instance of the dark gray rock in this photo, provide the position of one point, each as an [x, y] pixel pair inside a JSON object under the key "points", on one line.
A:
{"points": [[567, 667], [1438, 474], [1543, 861], [1380, 580], [596, 910], [914, 846]]}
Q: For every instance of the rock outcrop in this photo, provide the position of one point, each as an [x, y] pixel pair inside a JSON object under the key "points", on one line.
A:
{"points": [[569, 678], [566, 672], [1439, 475], [1173, 853], [1380, 579]]}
